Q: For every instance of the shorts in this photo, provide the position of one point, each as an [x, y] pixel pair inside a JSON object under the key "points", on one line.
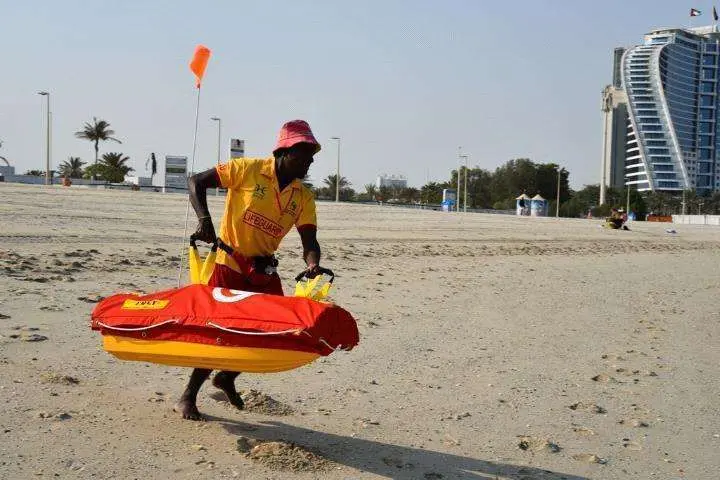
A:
{"points": [[225, 277]]}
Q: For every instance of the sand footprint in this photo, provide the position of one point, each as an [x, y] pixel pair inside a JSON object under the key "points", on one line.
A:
{"points": [[589, 407], [537, 444], [588, 432], [604, 378], [283, 456], [631, 445], [589, 458], [258, 402]]}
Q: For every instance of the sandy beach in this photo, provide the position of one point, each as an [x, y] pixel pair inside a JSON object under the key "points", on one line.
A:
{"points": [[491, 347]]}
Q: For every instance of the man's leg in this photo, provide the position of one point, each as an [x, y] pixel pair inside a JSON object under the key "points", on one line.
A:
{"points": [[187, 405], [224, 380]]}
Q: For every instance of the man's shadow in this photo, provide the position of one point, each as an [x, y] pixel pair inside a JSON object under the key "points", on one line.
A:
{"points": [[385, 459]]}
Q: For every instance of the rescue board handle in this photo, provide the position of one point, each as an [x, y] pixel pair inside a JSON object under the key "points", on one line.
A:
{"points": [[321, 271], [193, 243]]}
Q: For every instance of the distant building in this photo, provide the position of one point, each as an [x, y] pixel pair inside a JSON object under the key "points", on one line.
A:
{"points": [[667, 88], [615, 121], [391, 181], [139, 181]]}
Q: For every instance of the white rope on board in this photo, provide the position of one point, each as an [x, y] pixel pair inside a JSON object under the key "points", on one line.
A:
{"points": [[245, 332], [135, 329]]}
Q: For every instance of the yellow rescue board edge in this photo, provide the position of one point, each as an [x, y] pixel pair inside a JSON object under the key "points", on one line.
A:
{"points": [[199, 355]]}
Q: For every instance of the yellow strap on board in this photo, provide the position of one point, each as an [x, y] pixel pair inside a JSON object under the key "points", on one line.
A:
{"points": [[194, 264], [207, 267], [308, 289]]}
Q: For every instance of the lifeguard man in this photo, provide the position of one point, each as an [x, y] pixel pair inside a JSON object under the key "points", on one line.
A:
{"points": [[265, 199]]}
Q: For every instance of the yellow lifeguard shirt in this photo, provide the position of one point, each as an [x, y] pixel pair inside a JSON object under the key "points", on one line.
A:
{"points": [[257, 214]]}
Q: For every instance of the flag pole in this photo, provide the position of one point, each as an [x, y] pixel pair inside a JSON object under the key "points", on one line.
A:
{"points": [[198, 64], [192, 168]]}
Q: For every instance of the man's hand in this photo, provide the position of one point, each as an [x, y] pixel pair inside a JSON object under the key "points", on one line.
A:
{"points": [[312, 270], [197, 186], [205, 231], [311, 251]]}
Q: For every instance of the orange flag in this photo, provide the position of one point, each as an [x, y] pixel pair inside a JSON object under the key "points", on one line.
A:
{"points": [[199, 62]]}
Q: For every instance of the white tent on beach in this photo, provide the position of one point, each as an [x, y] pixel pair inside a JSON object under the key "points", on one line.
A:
{"points": [[522, 205], [538, 206]]}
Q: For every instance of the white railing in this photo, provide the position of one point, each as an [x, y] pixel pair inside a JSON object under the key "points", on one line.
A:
{"points": [[697, 219]]}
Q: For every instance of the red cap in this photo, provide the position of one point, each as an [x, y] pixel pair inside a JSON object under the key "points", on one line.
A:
{"points": [[294, 132]]}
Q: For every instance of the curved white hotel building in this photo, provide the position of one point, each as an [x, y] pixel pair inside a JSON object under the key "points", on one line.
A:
{"points": [[668, 88]]}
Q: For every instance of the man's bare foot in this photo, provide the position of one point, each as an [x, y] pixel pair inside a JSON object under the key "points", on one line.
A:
{"points": [[227, 385], [189, 410]]}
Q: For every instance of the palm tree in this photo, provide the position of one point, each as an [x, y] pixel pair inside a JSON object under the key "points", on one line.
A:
{"points": [[307, 181], [408, 194], [71, 168], [371, 191], [330, 182], [96, 132], [113, 167]]}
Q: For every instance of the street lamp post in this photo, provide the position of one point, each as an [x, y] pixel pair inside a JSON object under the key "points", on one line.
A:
{"points": [[337, 174], [465, 184], [627, 201], [219, 123], [47, 139], [557, 200], [457, 195]]}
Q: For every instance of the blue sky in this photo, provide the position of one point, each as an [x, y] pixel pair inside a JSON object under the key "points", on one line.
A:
{"points": [[402, 82]]}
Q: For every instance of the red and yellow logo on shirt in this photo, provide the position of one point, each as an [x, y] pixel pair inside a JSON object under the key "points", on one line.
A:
{"points": [[264, 224]]}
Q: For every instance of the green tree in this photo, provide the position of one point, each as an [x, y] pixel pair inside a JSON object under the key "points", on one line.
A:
{"points": [[478, 189], [713, 204], [507, 204], [96, 132], [368, 195], [432, 192], [384, 193], [546, 182], [580, 202], [408, 195], [637, 204], [71, 168], [345, 192], [113, 167], [513, 178], [664, 203], [306, 181], [93, 172], [35, 173]]}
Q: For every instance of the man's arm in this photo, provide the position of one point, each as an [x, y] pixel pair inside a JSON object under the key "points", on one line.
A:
{"points": [[197, 186], [311, 249]]}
